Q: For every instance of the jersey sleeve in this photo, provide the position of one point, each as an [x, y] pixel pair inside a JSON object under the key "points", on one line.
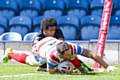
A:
{"points": [[76, 48], [37, 38], [79, 49], [51, 64], [52, 60]]}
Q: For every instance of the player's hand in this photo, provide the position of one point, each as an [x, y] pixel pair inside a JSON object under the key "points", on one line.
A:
{"points": [[99, 70], [111, 68]]}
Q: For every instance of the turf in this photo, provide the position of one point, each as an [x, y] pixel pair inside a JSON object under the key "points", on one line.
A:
{"points": [[24, 72]]}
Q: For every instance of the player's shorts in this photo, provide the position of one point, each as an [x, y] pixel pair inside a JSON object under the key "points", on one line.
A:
{"points": [[35, 60]]}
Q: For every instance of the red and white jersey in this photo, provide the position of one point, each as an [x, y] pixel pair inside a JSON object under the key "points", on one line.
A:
{"points": [[47, 50]]}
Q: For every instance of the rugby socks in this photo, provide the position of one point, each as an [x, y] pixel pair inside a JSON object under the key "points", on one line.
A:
{"points": [[20, 57]]}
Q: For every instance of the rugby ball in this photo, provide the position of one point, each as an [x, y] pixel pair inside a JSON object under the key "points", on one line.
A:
{"points": [[65, 67]]}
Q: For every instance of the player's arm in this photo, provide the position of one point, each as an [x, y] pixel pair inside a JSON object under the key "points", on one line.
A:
{"points": [[51, 68], [94, 56], [59, 34], [51, 65], [91, 54], [98, 59], [37, 38]]}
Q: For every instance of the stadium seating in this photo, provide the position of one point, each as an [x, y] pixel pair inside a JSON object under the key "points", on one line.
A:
{"points": [[114, 29], [3, 25], [77, 8], [116, 7], [117, 12], [57, 5], [90, 27], [20, 24], [37, 23], [52, 13], [33, 11], [69, 26], [30, 8], [96, 7], [10, 36], [8, 8], [30, 36]]}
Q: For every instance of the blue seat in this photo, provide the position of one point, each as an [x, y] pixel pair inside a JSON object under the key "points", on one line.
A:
{"points": [[20, 24], [114, 28], [116, 7], [10, 36], [37, 23], [41, 1], [30, 36], [8, 8], [89, 28], [77, 8], [117, 12], [30, 8], [52, 13], [3, 25], [116, 4], [96, 7], [53, 5], [69, 26]]}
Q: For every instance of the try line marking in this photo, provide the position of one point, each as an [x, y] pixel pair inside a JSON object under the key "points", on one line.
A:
{"points": [[18, 75]]}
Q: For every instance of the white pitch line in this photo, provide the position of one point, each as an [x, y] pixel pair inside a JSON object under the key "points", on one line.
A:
{"points": [[17, 75]]}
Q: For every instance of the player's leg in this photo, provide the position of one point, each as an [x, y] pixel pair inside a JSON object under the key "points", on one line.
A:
{"points": [[20, 57], [6, 58], [34, 60]]}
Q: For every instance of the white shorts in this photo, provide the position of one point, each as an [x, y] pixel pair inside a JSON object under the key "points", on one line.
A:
{"points": [[35, 60]]}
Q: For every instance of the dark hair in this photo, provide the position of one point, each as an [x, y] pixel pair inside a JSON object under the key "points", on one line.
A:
{"points": [[47, 22], [62, 47]]}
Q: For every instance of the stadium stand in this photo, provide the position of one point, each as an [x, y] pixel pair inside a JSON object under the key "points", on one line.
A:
{"points": [[37, 23], [77, 8], [69, 25], [30, 8], [56, 5], [10, 36], [3, 25], [30, 36], [39, 9], [20, 24], [8, 8], [96, 7], [90, 27], [114, 29]]}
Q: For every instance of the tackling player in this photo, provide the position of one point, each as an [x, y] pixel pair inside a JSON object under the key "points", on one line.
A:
{"points": [[49, 28]]}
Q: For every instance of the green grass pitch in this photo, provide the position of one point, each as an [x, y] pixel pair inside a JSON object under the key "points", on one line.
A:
{"points": [[25, 72]]}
